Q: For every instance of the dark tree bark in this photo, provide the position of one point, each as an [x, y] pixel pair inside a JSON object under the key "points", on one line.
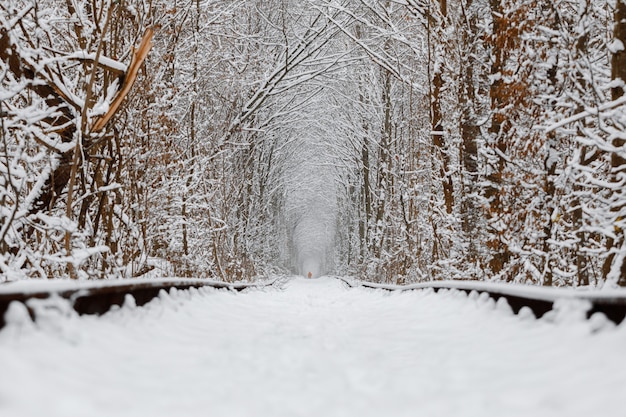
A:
{"points": [[470, 131], [500, 252], [618, 164], [438, 133]]}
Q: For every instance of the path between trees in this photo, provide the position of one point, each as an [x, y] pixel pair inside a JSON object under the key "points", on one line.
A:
{"points": [[311, 348]]}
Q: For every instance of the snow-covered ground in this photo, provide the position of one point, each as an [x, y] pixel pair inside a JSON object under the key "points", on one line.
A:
{"points": [[312, 348]]}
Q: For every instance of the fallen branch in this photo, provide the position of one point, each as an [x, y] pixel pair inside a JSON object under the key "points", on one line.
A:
{"points": [[139, 56]]}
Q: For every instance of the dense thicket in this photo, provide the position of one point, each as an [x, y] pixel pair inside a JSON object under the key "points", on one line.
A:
{"points": [[394, 140]]}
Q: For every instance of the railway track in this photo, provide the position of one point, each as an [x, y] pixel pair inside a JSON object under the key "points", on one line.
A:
{"points": [[98, 297], [540, 300]]}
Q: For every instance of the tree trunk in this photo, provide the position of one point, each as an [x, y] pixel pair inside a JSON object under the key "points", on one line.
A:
{"points": [[470, 131], [437, 128], [497, 140], [615, 265]]}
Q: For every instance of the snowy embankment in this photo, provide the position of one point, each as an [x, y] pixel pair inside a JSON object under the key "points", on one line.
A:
{"points": [[312, 348]]}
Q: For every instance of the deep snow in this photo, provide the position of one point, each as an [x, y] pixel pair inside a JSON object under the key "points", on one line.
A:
{"points": [[312, 348]]}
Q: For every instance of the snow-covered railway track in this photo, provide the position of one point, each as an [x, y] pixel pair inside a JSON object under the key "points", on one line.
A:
{"points": [[540, 300], [312, 348], [97, 297]]}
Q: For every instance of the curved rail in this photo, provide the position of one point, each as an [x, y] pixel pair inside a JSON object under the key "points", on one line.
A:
{"points": [[97, 297], [611, 303]]}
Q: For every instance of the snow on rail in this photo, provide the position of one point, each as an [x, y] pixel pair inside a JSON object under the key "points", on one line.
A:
{"points": [[32, 286], [610, 302], [519, 290], [97, 297]]}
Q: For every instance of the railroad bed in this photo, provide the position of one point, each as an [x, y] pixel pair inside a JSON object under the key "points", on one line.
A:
{"points": [[311, 348]]}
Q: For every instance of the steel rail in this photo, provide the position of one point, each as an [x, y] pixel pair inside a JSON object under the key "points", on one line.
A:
{"points": [[540, 300], [97, 297]]}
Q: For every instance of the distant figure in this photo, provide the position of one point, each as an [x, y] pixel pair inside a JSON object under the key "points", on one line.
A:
{"points": [[310, 274]]}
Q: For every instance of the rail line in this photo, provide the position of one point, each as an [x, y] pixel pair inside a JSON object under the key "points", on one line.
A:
{"points": [[97, 297], [540, 300]]}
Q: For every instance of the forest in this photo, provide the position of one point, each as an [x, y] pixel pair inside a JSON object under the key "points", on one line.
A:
{"points": [[392, 140]]}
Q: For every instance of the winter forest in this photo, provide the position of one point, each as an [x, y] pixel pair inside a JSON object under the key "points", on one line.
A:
{"points": [[393, 140]]}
